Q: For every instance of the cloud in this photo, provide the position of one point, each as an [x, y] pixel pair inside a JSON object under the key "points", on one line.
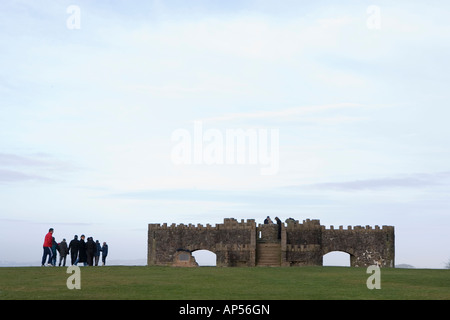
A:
{"points": [[16, 160], [19, 168], [47, 223], [15, 176], [271, 197], [420, 180], [287, 113], [189, 195]]}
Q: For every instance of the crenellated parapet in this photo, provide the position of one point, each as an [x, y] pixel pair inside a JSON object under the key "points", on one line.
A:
{"points": [[229, 223], [359, 228]]}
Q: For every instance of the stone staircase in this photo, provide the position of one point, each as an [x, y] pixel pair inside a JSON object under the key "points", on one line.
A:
{"points": [[268, 254]]}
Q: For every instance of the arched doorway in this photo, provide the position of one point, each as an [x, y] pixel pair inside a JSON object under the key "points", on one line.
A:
{"points": [[337, 259], [205, 258]]}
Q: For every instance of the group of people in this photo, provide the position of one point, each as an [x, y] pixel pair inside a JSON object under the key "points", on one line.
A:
{"points": [[269, 221], [81, 251]]}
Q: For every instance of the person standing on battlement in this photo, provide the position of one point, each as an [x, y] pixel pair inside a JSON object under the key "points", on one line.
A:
{"points": [[290, 220], [268, 220], [279, 227]]}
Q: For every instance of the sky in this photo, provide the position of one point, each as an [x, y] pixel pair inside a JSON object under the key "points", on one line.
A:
{"points": [[114, 115]]}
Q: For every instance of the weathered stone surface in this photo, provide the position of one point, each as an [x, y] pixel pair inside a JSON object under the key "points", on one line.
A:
{"points": [[184, 259], [299, 244]]}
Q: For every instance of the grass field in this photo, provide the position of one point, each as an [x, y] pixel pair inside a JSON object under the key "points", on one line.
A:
{"points": [[210, 283]]}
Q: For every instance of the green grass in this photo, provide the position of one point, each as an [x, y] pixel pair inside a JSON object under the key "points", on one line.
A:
{"points": [[168, 283]]}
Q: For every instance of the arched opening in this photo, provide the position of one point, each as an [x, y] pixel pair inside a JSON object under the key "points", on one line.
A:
{"points": [[337, 259], [205, 258]]}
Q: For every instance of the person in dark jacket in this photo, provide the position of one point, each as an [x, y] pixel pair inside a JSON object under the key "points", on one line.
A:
{"points": [[268, 220], [73, 248], [63, 251], [54, 248], [279, 227], [91, 248], [104, 253], [98, 248], [82, 257]]}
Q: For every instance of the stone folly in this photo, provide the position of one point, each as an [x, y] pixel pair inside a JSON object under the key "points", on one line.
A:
{"points": [[246, 244]]}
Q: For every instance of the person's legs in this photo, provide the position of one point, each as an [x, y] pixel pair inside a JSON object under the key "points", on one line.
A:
{"points": [[45, 254], [63, 260], [73, 256], [50, 256]]}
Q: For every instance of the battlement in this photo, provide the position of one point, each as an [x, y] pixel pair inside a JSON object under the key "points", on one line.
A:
{"points": [[228, 223], [359, 228], [307, 224]]}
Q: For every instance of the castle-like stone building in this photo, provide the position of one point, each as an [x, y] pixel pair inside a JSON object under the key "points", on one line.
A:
{"points": [[246, 244]]}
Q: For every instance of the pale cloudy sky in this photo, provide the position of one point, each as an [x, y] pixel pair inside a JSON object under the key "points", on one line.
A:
{"points": [[358, 92]]}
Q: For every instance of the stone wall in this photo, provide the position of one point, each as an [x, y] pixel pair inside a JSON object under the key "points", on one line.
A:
{"points": [[303, 243], [267, 232], [233, 242], [366, 245]]}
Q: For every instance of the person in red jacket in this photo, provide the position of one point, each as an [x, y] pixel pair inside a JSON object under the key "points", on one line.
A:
{"points": [[48, 241]]}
